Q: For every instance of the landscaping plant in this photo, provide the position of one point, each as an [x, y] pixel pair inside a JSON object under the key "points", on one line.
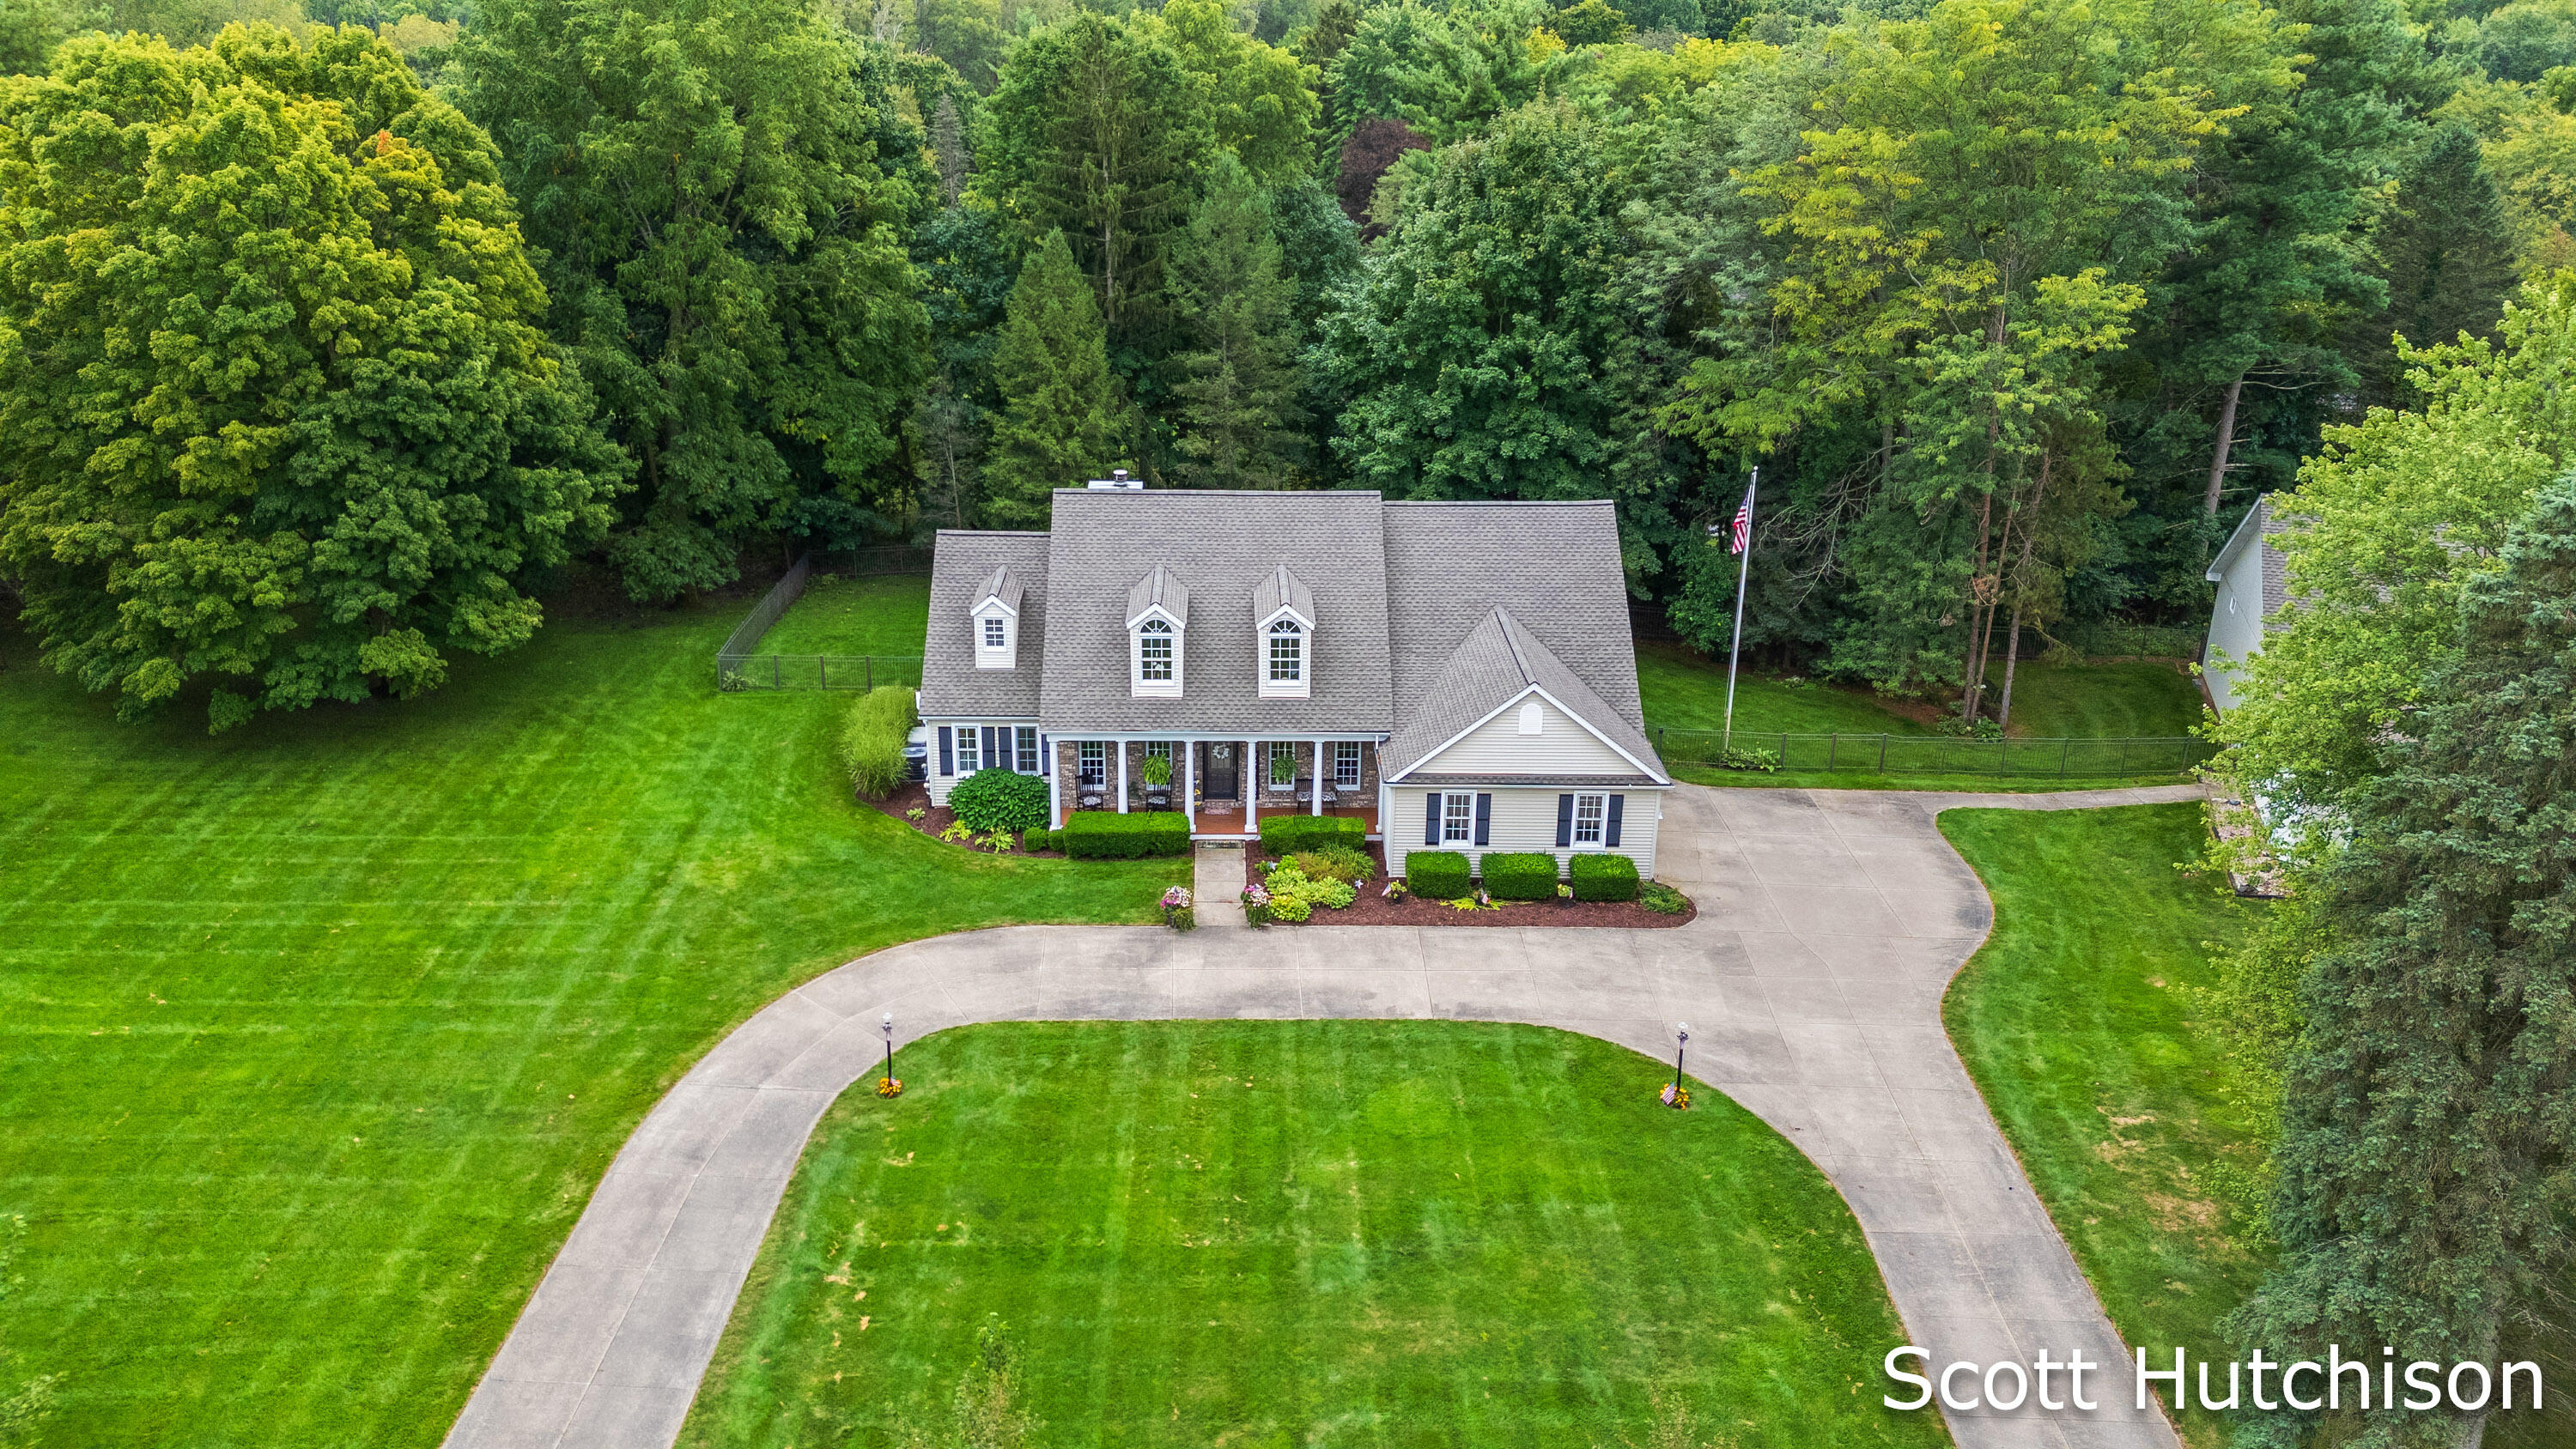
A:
{"points": [[1285, 835], [1107, 835], [1661, 899], [999, 799], [872, 739], [1603, 878], [1333, 862], [1441, 875], [1520, 876]]}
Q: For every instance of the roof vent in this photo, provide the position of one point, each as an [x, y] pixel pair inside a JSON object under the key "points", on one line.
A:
{"points": [[1116, 482]]}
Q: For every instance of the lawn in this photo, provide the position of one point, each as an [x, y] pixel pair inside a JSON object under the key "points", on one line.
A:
{"points": [[2076, 1021], [1282, 1233], [2131, 699], [886, 614], [315, 1037], [1685, 690]]}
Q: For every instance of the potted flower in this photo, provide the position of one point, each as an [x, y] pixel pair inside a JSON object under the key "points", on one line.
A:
{"points": [[1256, 906], [1177, 911], [1156, 772]]}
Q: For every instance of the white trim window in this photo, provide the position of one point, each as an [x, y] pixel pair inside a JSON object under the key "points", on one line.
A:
{"points": [[1283, 660], [1157, 658], [1091, 764], [1591, 818], [970, 749], [1346, 764], [1028, 750], [996, 634], [1457, 817], [1158, 749]]}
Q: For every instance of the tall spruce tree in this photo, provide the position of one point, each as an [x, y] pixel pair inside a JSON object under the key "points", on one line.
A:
{"points": [[2427, 1192], [2447, 250], [1060, 417], [1239, 380]]}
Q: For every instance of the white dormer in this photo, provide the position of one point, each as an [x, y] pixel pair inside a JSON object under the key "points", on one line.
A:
{"points": [[995, 618], [1158, 616], [1283, 636]]}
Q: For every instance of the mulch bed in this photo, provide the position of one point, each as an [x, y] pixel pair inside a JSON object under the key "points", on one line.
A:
{"points": [[1372, 908], [936, 818]]}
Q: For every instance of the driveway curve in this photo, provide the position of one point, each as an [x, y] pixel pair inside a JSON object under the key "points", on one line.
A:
{"points": [[1830, 925]]}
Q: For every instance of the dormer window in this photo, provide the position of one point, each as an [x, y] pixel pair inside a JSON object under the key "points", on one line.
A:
{"points": [[996, 621], [1283, 619], [1158, 611], [1287, 653]]}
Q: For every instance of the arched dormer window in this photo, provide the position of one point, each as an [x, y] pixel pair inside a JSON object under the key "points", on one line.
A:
{"points": [[1158, 611], [1153, 651], [1287, 653]]}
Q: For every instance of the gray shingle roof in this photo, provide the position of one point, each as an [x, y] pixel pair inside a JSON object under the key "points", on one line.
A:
{"points": [[1282, 589], [1405, 585], [963, 566], [1158, 589], [1497, 662], [1225, 544]]}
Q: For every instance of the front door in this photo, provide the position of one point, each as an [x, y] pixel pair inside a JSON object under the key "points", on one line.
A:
{"points": [[1223, 769]]}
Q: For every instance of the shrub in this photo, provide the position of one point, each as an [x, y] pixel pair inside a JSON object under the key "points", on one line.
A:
{"points": [[872, 739], [1520, 876], [999, 799], [1042, 840], [1285, 835], [1334, 862], [1662, 899], [1738, 758], [1439, 874], [1603, 878], [1294, 895], [1104, 835]]}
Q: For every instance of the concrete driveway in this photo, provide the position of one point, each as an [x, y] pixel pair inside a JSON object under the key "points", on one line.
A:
{"points": [[1830, 924]]}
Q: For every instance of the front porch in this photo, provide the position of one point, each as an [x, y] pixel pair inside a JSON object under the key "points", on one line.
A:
{"points": [[1227, 786]]}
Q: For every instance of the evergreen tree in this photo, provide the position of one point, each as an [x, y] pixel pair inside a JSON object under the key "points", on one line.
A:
{"points": [[2425, 1198], [710, 180], [275, 410], [2447, 248], [1060, 419], [1239, 380]]}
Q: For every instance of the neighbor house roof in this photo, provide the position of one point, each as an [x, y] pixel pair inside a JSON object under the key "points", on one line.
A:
{"points": [[1498, 662], [964, 566], [1224, 547]]}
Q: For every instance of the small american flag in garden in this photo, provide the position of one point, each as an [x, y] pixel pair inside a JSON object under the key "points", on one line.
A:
{"points": [[1743, 536]]}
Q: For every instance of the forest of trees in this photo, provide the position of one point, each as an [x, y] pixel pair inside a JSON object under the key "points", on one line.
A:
{"points": [[2017, 305]]}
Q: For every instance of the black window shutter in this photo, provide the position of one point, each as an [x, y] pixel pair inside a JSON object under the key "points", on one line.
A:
{"points": [[990, 757], [1431, 820], [1564, 821], [1610, 832], [1046, 755], [947, 760], [1484, 818]]}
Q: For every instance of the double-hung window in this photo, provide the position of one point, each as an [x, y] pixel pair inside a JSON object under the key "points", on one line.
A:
{"points": [[1091, 758], [993, 633], [1346, 765], [1154, 650], [1287, 653], [1457, 817], [1589, 813], [970, 745], [1028, 750]]}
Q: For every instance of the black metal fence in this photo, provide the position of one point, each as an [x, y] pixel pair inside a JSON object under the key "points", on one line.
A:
{"points": [[739, 668], [2058, 759]]}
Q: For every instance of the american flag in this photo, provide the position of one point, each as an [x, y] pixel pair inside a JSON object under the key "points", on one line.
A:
{"points": [[1743, 535]]}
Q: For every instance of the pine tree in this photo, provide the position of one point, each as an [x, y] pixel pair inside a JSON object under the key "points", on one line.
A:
{"points": [[2425, 1198], [2448, 251], [1060, 414], [1239, 380]]}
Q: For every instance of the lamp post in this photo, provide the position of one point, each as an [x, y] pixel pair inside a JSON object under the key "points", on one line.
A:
{"points": [[1681, 1044], [887, 1086]]}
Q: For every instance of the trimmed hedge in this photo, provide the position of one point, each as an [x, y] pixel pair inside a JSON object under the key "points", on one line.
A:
{"points": [[1604, 878], [1105, 835], [1289, 834], [1042, 840], [1520, 876], [1439, 874], [998, 799]]}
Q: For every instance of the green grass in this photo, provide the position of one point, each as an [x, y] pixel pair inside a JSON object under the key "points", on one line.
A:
{"points": [[1683, 689], [314, 1038], [1284, 1233], [2076, 1021], [2133, 699], [887, 614], [1855, 780]]}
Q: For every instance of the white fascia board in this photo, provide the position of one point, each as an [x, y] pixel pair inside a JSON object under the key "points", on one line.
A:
{"points": [[1612, 745], [2251, 524], [1262, 626], [992, 604], [1157, 611]]}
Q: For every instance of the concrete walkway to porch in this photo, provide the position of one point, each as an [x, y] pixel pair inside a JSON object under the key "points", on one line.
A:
{"points": [[1830, 924]]}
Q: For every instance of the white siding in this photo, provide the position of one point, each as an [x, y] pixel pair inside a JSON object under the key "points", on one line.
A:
{"points": [[1524, 818], [2235, 622], [931, 775], [1497, 747]]}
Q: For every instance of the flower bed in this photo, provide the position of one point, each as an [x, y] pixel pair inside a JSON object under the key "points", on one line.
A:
{"points": [[1370, 907]]}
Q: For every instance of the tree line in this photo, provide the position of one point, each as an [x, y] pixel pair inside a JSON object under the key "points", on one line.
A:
{"points": [[318, 354]]}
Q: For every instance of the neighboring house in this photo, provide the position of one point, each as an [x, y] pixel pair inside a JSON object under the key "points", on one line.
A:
{"points": [[2253, 584], [1459, 674]]}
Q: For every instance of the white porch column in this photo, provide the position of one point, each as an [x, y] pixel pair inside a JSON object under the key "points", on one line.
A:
{"points": [[1319, 779], [1251, 777], [1189, 783], [1122, 774], [1055, 798]]}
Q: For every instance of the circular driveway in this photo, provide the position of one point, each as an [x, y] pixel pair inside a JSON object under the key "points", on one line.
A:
{"points": [[1830, 925]]}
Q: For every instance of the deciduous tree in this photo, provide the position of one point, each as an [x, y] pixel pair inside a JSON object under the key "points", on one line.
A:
{"points": [[275, 411]]}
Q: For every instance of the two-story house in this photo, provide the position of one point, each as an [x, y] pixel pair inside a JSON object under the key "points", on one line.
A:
{"points": [[1457, 675]]}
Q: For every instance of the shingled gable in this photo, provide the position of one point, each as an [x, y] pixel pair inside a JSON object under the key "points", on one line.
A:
{"points": [[1159, 590], [965, 563], [1004, 587], [1496, 666], [1281, 591]]}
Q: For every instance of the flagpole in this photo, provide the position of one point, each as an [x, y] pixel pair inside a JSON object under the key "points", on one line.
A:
{"points": [[1743, 572]]}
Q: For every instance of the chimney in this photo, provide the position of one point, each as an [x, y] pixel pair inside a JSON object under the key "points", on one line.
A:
{"points": [[1116, 482]]}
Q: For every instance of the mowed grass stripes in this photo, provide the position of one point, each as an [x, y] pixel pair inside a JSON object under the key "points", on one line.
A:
{"points": [[314, 1038], [1291, 1233]]}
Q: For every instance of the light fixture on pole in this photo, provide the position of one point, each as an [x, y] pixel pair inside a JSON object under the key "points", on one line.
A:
{"points": [[887, 1086], [1677, 1095]]}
